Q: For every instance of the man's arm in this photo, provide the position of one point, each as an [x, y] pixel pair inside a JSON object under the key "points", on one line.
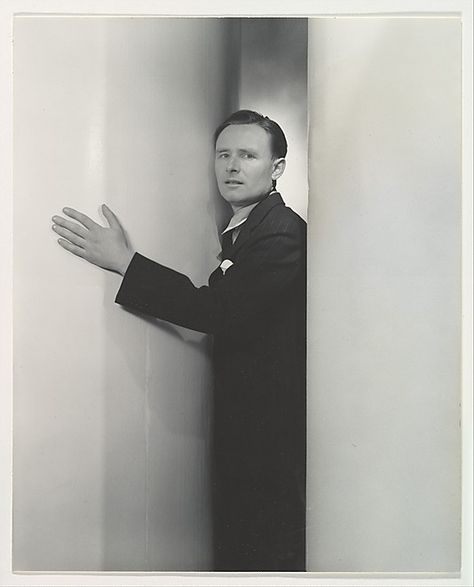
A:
{"points": [[271, 266]]}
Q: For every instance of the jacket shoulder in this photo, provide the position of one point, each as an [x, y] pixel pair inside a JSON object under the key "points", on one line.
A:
{"points": [[281, 218]]}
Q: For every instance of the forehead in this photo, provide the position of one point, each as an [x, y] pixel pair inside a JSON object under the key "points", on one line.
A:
{"points": [[244, 136]]}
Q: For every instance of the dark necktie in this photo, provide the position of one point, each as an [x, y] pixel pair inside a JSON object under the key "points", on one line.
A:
{"points": [[226, 244]]}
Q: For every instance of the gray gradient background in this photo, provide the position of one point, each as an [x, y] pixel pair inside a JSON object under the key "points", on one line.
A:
{"points": [[111, 410]]}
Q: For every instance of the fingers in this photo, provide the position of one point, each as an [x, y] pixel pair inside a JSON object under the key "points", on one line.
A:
{"points": [[71, 226], [110, 217], [80, 217], [78, 251], [69, 235]]}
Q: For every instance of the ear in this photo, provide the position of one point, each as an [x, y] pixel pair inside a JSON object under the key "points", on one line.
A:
{"points": [[278, 168]]}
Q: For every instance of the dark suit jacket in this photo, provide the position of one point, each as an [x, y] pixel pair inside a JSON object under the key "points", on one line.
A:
{"points": [[257, 314]]}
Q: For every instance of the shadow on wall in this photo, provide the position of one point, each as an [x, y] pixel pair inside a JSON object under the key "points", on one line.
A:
{"points": [[273, 81]]}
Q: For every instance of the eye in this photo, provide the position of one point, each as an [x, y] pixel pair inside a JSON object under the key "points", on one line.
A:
{"points": [[222, 155], [248, 155]]}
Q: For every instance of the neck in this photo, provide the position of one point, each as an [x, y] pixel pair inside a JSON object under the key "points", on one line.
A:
{"points": [[237, 207]]}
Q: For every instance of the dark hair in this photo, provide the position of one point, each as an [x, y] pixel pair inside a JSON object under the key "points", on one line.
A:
{"points": [[278, 143]]}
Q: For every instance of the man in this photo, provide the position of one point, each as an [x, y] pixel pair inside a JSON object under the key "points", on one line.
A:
{"points": [[255, 306]]}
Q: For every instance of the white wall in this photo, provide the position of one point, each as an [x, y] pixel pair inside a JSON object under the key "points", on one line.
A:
{"points": [[384, 311], [110, 409], [273, 81]]}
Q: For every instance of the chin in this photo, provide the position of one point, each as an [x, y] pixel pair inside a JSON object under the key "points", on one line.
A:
{"points": [[232, 198]]}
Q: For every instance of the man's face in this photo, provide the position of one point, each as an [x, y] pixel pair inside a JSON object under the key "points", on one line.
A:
{"points": [[244, 165]]}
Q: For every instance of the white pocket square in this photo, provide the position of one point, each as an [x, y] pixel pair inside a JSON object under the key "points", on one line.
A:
{"points": [[226, 263]]}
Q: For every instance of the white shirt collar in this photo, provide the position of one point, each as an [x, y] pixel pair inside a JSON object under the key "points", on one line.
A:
{"points": [[239, 217]]}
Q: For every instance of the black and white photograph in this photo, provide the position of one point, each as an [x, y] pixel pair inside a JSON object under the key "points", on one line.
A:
{"points": [[237, 296]]}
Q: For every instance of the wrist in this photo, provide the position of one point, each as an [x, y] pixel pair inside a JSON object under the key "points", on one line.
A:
{"points": [[125, 262]]}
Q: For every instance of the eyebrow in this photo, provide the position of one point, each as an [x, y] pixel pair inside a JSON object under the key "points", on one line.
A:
{"points": [[242, 150]]}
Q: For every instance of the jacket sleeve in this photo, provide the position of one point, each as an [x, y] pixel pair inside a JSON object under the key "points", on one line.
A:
{"points": [[269, 267]]}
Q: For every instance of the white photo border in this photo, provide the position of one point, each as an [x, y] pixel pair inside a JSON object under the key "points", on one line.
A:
{"points": [[209, 8]]}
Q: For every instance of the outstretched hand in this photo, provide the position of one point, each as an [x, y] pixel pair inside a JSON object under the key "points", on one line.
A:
{"points": [[106, 247]]}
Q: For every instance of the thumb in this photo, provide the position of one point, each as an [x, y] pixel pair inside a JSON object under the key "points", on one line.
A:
{"points": [[110, 217]]}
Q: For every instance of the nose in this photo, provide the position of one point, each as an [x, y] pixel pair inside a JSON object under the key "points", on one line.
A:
{"points": [[232, 164]]}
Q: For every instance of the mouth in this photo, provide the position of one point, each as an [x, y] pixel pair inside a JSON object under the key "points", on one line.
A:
{"points": [[231, 182]]}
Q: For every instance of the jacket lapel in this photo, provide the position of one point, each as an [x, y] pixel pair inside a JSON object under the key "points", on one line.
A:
{"points": [[255, 217]]}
